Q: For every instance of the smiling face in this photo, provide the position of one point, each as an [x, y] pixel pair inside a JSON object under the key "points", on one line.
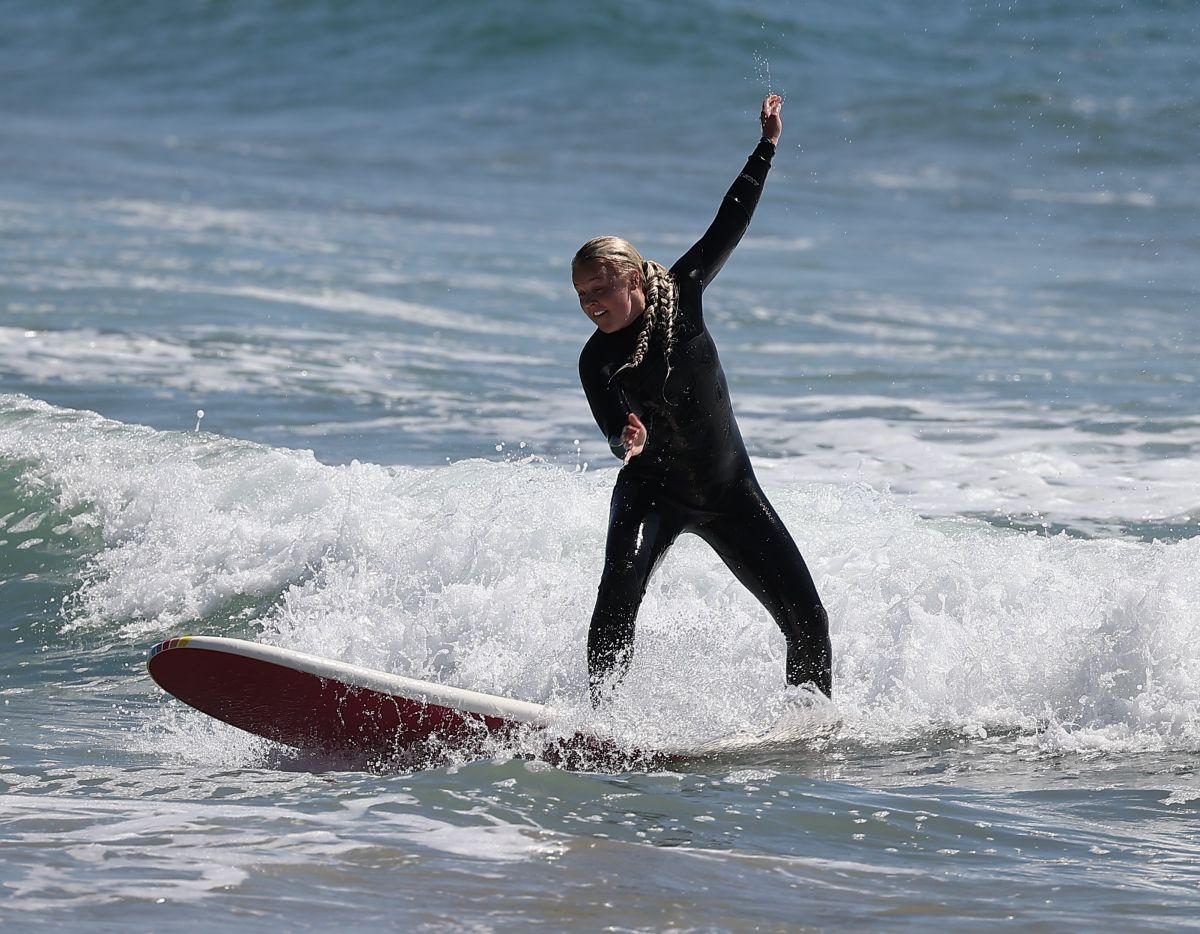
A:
{"points": [[610, 300]]}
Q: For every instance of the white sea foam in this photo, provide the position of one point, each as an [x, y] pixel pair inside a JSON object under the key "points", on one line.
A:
{"points": [[483, 575], [468, 280], [948, 459], [927, 178], [134, 849], [1137, 199], [349, 300], [185, 217], [940, 457], [1123, 106], [201, 363]]}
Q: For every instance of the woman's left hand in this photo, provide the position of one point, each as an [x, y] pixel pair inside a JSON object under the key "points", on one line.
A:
{"points": [[633, 437], [770, 118]]}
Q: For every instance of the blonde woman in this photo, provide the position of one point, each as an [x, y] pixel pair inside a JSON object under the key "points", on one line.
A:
{"points": [[657, 391]]}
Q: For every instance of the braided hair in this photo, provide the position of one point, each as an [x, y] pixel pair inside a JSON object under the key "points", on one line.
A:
{"points": [[659, 286]]}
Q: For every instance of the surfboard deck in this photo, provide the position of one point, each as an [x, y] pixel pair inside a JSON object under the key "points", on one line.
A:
{"points": [[314, 703]]}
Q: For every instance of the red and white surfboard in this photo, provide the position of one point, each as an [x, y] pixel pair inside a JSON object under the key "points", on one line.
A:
{"points": [[317, 703]]}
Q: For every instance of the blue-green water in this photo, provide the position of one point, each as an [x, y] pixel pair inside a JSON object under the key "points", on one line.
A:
{"points": [[962, 345]]}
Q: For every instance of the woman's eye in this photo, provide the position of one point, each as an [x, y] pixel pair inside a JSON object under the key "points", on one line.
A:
{"points": [[595, 294]]}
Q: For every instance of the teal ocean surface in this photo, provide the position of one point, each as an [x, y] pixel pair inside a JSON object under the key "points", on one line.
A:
{"points": [[961, 340]]}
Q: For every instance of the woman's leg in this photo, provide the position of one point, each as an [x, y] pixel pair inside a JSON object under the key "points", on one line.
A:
{"points": [[752, 540], [640, 528]]}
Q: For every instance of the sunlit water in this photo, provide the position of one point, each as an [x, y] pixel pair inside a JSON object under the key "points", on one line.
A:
{"points": [[961, 342]]}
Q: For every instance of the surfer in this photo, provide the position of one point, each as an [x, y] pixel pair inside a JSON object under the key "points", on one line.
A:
{"points": [[656, 389]]}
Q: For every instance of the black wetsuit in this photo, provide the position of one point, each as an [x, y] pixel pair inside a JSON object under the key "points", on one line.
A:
{"points": [[694, 474]]}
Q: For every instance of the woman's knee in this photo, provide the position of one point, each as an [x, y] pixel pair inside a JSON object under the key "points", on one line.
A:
{"points": [[621, 581]]}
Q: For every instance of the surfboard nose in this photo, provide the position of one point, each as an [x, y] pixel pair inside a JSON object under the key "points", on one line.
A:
{"points": [[313, 703]]}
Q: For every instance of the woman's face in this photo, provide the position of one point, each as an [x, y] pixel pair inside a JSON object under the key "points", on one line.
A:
{"points": [[611, 301]]}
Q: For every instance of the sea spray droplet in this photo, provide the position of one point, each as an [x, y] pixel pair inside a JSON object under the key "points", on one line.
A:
{"points": [[762, 69], [199, 417]]}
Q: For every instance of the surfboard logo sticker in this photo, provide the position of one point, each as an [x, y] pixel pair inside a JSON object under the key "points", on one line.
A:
{"points": [[178, 642]]}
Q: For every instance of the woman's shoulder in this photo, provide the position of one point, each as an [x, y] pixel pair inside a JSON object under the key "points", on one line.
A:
{"points": [[686, 269], [688, 280]]}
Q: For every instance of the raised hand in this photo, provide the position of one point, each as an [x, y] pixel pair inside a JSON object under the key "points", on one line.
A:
{"points": [[633, 437], [770, 118]]}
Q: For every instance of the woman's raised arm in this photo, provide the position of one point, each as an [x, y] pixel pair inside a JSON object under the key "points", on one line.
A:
{"points": [[704, 260]]}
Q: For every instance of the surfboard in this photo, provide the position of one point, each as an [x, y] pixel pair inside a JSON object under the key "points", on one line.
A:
{"points": [[314, 703]]}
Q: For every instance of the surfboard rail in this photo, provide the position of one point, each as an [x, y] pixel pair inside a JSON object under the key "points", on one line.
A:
{"points": [[426, 692], [310, 702], [307, 701]]}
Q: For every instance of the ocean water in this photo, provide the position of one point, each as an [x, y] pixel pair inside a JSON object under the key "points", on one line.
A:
{"points": [[962, 342]]}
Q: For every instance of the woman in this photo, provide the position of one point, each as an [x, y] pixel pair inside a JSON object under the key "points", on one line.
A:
{"points": [[657, 391]]}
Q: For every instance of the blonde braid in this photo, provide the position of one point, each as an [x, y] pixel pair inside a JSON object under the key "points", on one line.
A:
{"points": [[643, 339], [663, 296]]}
